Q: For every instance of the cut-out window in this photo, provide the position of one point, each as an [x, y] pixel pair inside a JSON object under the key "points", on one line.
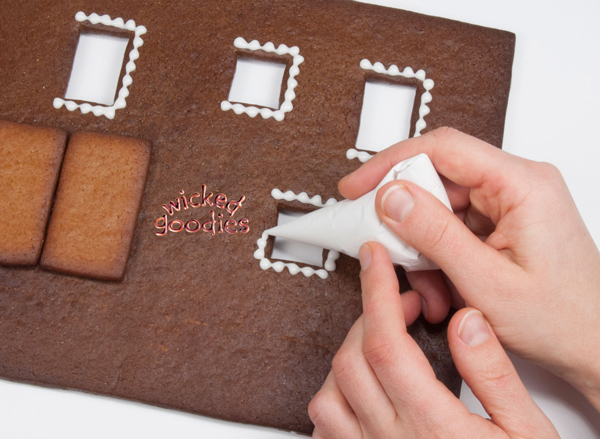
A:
{"points": [[262, 86], [98, 65], [394, 107], [96, 68], [257, 82], [386, 115], [288, 250]]}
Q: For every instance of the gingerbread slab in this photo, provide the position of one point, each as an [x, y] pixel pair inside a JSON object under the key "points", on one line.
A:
{"points": [[97, 203], [196, 324], [30, 160]]}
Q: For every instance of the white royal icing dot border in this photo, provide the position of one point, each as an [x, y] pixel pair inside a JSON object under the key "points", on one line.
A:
{"points": [[101, 110], [278, 266], [289, 95], [426, 98]]}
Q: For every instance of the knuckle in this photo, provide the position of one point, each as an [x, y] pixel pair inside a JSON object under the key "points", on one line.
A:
{"points": [[343, 364], [444, 133], [436, 233], [320, 408], [548, 172], [500, 374], [379, 350]]}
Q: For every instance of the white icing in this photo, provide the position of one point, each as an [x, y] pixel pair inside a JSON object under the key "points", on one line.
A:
{"points": [[100, 110], [293, 268], [426, 98], [289, 94], [301, 197], [363, 156]]}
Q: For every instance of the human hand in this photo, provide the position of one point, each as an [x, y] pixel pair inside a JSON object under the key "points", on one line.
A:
{"points": [[382, 386], [517, 248]]}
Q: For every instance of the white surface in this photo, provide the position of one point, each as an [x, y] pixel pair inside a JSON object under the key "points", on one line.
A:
{"points": [[289, 250], [557, 45], [345, 226], [385, 115], [257, 82], [96, 68]]}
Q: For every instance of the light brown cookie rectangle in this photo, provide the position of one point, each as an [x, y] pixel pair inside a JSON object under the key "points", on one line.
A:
{"points": [[97, 203], [30, 159]]}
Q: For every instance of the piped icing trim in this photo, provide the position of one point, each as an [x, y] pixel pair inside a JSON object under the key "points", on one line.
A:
{"points": [[101, 110], [289, 95], [426, 98], [293, 268], [302, 197]]}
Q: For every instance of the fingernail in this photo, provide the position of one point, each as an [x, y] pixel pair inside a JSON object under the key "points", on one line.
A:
{"points": [[397, 203], [424, 308], [473, 329], [364, 256]]}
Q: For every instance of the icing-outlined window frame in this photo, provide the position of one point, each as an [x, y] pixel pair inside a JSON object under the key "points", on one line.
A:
{"points": [[126, 81], [424, 98], [251, 50], [279, 265]]}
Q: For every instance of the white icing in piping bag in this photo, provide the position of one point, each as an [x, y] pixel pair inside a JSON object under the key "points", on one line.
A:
{"points": [[348, 224]]}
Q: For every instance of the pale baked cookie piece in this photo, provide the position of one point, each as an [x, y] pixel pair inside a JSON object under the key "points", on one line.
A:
{"points": [[97, 204], [30, 159]]}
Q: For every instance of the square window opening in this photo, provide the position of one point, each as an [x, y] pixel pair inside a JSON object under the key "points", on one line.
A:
{"points": [[289, 250], [98, 66], [387, 115], [258, 82]]}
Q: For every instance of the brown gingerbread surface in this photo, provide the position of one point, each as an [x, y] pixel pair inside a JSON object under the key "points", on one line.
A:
{"points": [[195, 324]]}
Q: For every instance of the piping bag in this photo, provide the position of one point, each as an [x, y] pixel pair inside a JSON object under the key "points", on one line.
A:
{"points": [[346, 225]]}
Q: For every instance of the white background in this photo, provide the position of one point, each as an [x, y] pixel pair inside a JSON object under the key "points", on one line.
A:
{"points": [[553, 114]]}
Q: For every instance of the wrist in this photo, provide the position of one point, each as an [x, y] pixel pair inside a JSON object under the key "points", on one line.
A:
{"points": [[586, 377]]}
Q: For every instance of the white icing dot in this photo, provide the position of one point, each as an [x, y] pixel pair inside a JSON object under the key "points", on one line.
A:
{"points": [[394, 70], [239, 42], [252, 111], [57, 103]]}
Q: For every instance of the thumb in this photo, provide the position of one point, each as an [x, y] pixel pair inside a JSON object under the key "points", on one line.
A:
{"points": [[487, 370], [427, 225]]}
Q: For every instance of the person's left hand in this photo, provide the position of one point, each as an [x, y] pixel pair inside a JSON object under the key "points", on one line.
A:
{"points": [[382, 386]]}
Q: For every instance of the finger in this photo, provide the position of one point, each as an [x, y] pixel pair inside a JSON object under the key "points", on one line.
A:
{"points": [[434, 293], [425, 224], [331, 413], [360, 386], [411, 304], [487, 370], [465, 160], [396, 359]]}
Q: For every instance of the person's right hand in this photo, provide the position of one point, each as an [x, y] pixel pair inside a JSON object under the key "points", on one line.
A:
{"points": [[517, 248]]}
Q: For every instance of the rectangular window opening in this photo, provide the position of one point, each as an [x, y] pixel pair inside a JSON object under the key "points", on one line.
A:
{"points": [[257, 82], [289, 250], [97, 68], [386, 115]]}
